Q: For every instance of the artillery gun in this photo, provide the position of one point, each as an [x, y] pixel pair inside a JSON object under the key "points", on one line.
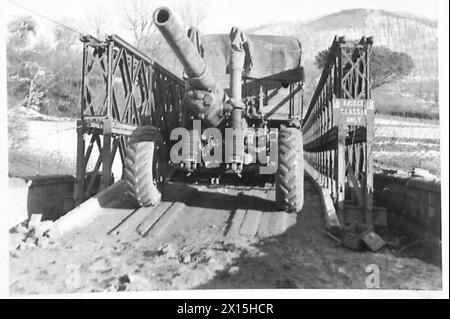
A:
{"points": [[241, 116]]}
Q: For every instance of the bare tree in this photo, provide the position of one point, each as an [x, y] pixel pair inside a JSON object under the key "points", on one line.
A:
{"points": [[137, 16], [138, 20], [193, 14], [21, 28], [64, 37], [98, 22], [22, 65]]}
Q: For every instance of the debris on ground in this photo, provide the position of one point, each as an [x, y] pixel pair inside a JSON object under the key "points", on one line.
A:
{"points": [[233, 270], [31, 233], [169, 250], [357, 236], [423, 173]]}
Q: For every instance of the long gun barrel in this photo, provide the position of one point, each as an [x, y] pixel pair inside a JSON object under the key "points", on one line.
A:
{"points": [[199, 76]]}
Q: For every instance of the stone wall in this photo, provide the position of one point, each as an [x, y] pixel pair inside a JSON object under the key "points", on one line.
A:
{"points": [[51, 196], [415, 201]]}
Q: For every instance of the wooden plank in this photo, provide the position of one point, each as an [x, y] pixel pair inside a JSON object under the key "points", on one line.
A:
{"points": [[146, 225], [167, 219], [130, 222], [264, 226], [87, 212], [250, 223], [236, 222], [272, 224]]}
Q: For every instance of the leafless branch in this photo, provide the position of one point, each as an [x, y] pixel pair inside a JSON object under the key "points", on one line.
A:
{"points": [[193, 14]]}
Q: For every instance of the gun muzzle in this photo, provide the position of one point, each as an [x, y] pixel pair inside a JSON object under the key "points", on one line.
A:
{"points": [[199, 76]]}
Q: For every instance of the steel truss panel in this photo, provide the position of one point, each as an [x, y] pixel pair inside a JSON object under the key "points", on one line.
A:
{"points": [[122, 88], [338, 127]]}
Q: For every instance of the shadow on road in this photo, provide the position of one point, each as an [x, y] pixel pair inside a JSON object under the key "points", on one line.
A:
{"points": [[304, 257], [209, 198]]}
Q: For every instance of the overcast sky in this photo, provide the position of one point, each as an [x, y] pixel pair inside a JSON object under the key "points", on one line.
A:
{"points": [[222, 14]]}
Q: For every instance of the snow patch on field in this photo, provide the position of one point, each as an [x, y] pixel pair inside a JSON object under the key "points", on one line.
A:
{"points": [[408, 132], [59, 139], [421, 154], [396, 121], [53, 137], [406, 128]]}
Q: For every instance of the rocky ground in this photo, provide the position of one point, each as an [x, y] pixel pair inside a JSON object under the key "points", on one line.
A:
{"points": [[198, 247]]}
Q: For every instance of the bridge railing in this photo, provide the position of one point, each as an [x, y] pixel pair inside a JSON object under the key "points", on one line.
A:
{"points": [[122, 88], [338, 127]]}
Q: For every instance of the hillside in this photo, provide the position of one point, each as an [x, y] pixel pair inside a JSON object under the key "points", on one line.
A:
{"points": [[400, 32], [413, 35]]}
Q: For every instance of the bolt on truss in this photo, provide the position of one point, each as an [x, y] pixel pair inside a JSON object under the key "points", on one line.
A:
{"points": [[122, 88], [338, 127]]}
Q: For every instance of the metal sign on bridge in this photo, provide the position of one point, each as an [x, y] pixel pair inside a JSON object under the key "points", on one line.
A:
{"points": [[353, 111]]}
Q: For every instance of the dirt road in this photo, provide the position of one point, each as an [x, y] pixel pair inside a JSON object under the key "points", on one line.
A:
{"points": [[190, 243]]}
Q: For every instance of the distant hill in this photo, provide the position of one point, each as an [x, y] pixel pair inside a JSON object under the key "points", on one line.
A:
{"points": [[416, 36], [400, 32]]}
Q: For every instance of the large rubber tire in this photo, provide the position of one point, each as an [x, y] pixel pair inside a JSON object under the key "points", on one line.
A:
{"points": [[289, 176], [144, 167]]}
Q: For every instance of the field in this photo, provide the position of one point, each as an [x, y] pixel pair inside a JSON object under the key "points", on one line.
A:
{"points": [[407, 98], [45, 145], [406, 143]]}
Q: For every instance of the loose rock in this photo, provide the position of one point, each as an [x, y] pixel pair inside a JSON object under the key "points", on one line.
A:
{"points": [[45, 226], [35, 220], [14, 240], [233, 270], [123, 281], [20, 229], [169, 250], [100, 265], [43, 242], [186, 259], [31, 240]]}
